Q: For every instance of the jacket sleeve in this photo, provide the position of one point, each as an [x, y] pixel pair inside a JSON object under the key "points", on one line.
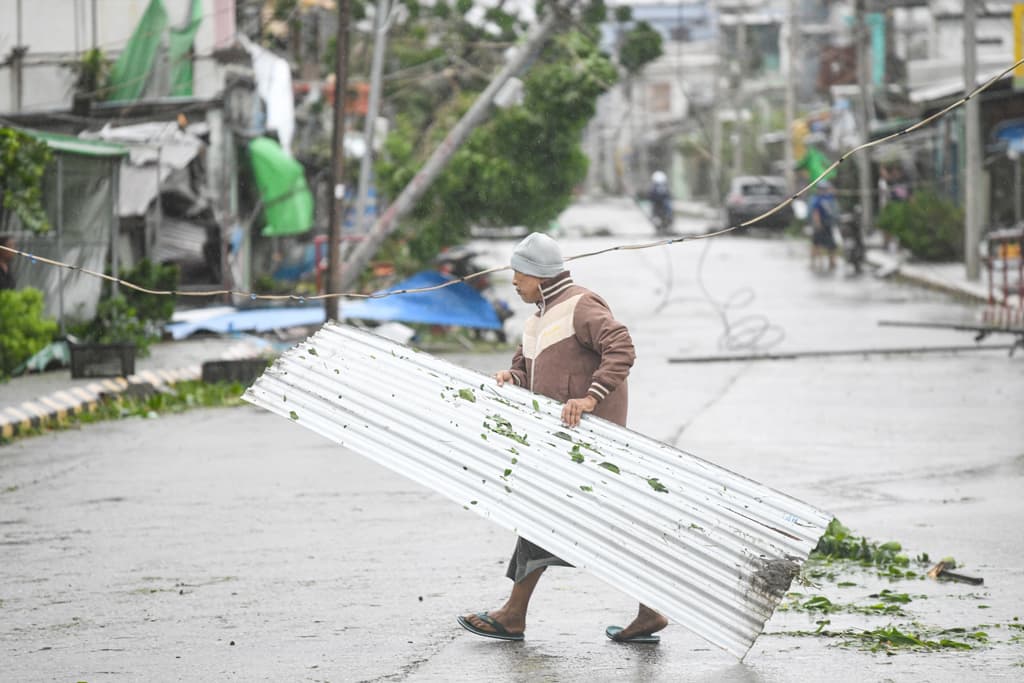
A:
{"points": [[518, 368], [598, 330]]}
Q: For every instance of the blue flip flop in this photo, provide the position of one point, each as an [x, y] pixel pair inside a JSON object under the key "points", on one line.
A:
{"points": [[613, 631], [499, 632]]}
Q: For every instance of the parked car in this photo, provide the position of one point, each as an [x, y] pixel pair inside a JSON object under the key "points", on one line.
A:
{"points": [[751, 195]]}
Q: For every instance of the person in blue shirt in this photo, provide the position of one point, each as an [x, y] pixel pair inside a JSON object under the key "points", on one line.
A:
{"points": [[823, 212]]}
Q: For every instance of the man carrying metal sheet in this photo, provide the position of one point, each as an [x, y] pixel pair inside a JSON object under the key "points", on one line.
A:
{"points": [[573, 351]]}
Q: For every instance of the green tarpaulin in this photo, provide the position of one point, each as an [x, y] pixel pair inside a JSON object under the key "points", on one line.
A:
{"points": [[180, 53], [130, 72], [134, 68], [287, 201], [54, 355]]}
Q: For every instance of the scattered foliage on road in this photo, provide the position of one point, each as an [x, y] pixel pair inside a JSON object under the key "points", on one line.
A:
{"points": [[850, 562]]}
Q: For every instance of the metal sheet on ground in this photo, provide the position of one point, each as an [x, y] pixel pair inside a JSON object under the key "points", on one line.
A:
{"points": [[712, 550]]}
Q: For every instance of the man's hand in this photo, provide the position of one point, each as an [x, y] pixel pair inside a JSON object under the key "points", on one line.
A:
{"points": [[574, 408], [503, 376]]}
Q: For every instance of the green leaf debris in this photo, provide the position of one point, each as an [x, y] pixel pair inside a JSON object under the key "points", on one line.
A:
{"points": [[657, 485], [840, 553], [502, 427]]}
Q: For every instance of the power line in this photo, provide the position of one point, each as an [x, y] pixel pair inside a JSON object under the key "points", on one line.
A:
{"points": [[624, 247]]}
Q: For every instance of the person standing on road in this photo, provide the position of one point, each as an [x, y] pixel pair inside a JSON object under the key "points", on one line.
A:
{"points": [[823, 211], [574, 351], [6, 276]]}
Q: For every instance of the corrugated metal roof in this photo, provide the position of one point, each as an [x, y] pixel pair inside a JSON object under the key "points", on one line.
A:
{"points": [[73, 145], [712, 550]]}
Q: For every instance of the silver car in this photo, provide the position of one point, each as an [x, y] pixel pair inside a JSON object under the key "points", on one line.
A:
{"points": [[752, 195]]}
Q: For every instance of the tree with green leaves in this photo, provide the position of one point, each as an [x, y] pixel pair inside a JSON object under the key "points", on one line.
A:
{"points": [[640, 45], [25, 329], [521, 166], [23, 163]]}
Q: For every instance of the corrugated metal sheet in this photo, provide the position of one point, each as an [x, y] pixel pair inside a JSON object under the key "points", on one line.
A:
{"points": [[712, 550]]}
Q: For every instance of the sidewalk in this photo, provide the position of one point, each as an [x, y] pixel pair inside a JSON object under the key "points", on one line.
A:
{"points": [[952, 279], [32, 400]]}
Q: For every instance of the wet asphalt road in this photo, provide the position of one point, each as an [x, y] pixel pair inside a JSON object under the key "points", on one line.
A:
{"points": [[233, 545]]}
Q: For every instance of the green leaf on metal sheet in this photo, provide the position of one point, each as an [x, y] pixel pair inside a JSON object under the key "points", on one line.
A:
{"points": [[657, 485]]}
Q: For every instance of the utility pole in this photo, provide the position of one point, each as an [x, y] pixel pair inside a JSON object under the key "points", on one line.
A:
{"points": [[867, 207], [972, 136], [791, 43], [337, 199], [380, 33], [387, 222], [715, 167], [737, 86], [17, 67]]}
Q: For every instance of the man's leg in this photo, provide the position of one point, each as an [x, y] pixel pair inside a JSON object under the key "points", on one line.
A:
{"points": [[512, 615], [646, 623]]}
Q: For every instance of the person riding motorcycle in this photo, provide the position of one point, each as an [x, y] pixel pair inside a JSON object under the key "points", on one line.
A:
{"points": [[661, 202]]}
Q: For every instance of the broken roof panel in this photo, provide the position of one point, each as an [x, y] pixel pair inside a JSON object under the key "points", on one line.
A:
{"points": [[712, 550]]}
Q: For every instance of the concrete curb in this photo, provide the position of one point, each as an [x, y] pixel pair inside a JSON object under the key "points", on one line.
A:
{"points": [[921, 276], [59, 405]]}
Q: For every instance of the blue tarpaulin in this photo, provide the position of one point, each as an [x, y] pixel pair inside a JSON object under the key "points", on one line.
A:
{"points": [[457, 304], [250, 320]]}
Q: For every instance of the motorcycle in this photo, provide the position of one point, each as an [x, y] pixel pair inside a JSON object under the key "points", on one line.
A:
{"points": [[663, 216], [851, 239]]}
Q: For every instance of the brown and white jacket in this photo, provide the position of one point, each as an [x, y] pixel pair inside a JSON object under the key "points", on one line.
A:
{"points": [[573, 347]]}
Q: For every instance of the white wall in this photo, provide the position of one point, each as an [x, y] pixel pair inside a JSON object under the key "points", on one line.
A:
{"points": [[57, 30]]}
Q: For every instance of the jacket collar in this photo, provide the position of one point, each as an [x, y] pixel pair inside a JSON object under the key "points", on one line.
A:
{"points": [[554, 288]]}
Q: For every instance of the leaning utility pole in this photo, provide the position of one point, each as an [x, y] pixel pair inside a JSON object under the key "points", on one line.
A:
{"points": [[972, 138], [405, 201], [337, 198]]}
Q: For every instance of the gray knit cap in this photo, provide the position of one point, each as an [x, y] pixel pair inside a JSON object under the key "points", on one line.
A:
{"points": [[537, 255]]}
